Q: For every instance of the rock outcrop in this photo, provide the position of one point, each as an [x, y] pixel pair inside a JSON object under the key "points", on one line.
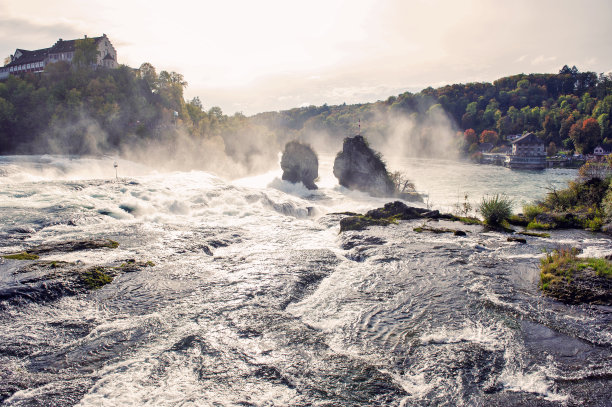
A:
{"points": [[358, 167], [584, 286], [300, 164], [389, 214]]}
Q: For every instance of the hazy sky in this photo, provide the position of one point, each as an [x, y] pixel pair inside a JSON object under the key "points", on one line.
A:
{"points": [[254, 56]]}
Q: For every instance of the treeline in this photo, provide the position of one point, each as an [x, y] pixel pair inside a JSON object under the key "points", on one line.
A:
{"points": [[79, 110], [570, 109]]}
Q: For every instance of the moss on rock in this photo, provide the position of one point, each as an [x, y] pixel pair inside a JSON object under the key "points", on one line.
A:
{"points": [[21, 256]]}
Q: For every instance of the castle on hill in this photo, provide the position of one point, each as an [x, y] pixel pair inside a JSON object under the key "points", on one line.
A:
{"points": [[24, 61]]}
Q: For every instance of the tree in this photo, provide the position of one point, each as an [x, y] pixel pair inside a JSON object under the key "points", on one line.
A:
{"points": [[401, 182], [147, 73], [85, 52], [489, 136], [551, 150], [585, 135], [470, 137]]}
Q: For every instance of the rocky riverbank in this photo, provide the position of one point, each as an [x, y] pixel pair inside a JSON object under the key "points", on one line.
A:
{"points": [[566, 279]]}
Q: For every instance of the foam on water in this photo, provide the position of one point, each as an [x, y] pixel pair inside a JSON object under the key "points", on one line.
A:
{"points": [[286, 311]]}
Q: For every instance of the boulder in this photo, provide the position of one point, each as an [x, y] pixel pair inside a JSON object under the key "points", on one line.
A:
{"points": [[300, 164], [359, 167]]}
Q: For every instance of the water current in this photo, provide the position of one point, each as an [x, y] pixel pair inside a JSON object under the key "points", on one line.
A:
{"points": [[256, 299]]}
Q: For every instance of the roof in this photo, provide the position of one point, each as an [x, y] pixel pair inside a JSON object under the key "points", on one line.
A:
{"points": [[68, 45], [40, 54], [29, 56], [528, 138], [605, 146]]}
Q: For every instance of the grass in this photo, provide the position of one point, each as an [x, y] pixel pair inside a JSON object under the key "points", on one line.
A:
{"points": [[535, 225], [467, 220], [531, 211], [95, 278], [557, 265], [496, 209], [602, 267], [563, 263], [21, 256]]}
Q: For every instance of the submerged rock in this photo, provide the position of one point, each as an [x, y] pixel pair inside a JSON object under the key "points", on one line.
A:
{"points": [[300, 164], [359, 167], [45, 281]]}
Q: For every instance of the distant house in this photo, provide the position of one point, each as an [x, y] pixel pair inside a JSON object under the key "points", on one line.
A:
{"points": [[528, 153], [603, 149], [24, 61]]}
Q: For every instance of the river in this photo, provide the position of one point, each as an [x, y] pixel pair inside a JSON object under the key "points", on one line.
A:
{"points": [[256, 299]]}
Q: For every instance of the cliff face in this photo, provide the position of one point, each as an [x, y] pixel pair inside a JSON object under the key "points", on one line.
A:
{"points": [[300, 164], [358, 167]]}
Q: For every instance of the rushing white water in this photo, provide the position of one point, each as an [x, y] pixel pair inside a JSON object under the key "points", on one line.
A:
{"points": [[286, 311]]}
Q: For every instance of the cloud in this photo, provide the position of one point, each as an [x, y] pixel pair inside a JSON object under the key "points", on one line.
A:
{"points": [[541, 60], [30, 34], [521, 58]]}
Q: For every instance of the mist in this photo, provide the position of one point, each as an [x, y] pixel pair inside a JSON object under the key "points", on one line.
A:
{"points": [[238, 146]]}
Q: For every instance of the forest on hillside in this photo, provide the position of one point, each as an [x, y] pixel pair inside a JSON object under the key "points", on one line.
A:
{"points": [[141, 113]]}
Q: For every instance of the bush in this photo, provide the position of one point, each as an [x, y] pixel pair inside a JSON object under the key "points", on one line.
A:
{"points": [[531, 211], [496, 209]]}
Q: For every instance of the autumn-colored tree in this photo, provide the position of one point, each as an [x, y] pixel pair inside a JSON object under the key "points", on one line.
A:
{"points": [[489, 136], [585, 135], [591, 131], [470, 137]]}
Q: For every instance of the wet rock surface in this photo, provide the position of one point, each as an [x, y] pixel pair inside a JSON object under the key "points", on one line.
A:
{"points": [[300, 164], [359, 167], [38, 281], [583, 287], [389, 214]]}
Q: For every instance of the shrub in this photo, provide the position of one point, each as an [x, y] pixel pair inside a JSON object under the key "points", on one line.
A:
{"points": [[594, 224], [531, 211], [495, 209]]}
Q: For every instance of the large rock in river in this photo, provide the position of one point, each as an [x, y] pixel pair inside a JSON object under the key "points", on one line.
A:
{"points": [[359, 167], [300, 164]]}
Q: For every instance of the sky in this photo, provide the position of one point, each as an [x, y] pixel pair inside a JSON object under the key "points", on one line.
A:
{"points": [[264, 55]]}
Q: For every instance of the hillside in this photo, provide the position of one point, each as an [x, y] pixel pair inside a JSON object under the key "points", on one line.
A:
{"points": [[141, 113]]}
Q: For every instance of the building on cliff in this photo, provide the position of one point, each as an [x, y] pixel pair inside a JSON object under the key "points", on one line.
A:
{"points": [[24, 61], [528, 153]]}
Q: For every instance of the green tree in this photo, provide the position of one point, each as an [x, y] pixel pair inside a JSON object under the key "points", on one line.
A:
{"points": [[85, 52], [147, 73]]}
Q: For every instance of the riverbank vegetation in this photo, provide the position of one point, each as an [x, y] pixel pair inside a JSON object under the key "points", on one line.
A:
{"points": [[496, 210], [586, 203], [571, 279]]}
